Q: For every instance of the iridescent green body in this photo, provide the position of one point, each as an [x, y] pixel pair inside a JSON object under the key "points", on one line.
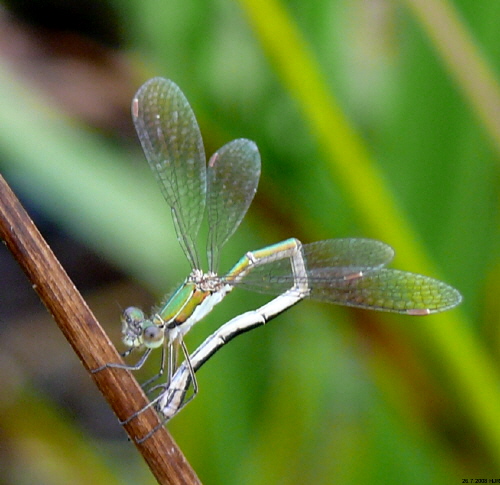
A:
{"points": [[349, 271]]}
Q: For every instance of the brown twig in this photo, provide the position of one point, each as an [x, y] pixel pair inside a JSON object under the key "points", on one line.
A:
{"points": [[88, 340]]}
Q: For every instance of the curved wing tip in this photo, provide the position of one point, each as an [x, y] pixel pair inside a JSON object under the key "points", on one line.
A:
{"points": [[428, 311], [245, 141]]}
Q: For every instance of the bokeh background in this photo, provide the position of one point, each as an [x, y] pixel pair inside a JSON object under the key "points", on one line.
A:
{"points": [[374, 118]]}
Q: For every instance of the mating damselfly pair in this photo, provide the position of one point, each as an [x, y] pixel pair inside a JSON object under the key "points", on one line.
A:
{"points": [[348, 272]]}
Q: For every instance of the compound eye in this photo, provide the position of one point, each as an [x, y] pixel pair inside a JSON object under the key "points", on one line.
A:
{"points": [[153, 336], [132, 324], [132, 316]]}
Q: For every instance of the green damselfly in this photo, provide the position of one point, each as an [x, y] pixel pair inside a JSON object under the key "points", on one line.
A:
{"points": [[348, 272]]}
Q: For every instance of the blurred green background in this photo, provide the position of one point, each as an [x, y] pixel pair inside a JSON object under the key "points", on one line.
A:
{"points": [[374, 119]]}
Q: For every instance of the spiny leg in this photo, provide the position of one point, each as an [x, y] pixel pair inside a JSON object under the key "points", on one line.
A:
{"points": [[167, 388], [172, 368], [118, 365], [147, 383]]}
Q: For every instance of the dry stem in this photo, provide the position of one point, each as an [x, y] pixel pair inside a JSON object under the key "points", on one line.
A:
{"points": [[88, 340]]}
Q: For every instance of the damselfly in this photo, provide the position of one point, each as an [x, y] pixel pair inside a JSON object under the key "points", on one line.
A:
{"points": [[344, 271]]}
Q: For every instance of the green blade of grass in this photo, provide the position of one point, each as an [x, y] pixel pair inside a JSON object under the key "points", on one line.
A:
{"points": [[465, 62], [350, 164]]}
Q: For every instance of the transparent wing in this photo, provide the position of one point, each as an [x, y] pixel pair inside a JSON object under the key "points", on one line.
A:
{"points": [[233, 175], [389, 290], [351, 272], [332, 260], [172, 143]]}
